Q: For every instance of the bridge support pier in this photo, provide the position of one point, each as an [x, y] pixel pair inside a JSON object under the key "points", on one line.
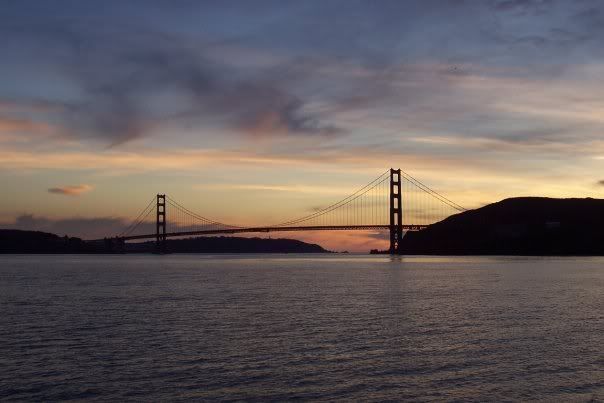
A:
{"points": [[396, 212], [160, 225]]}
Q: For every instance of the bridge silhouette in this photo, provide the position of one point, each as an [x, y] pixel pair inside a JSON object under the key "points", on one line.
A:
{"points": [[394, 201]]}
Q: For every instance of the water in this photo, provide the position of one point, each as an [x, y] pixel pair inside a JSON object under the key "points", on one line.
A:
{"points": [[313, 327]]}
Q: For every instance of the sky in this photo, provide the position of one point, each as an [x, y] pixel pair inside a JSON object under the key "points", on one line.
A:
{"points": [[254, 112]]}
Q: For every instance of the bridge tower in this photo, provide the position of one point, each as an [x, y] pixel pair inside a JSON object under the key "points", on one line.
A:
{"points": [[160, 225], [396, 212]]}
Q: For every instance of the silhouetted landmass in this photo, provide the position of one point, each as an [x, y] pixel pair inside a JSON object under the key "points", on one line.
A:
{"points": [[516, 226], [230, 245], [17, 241]]}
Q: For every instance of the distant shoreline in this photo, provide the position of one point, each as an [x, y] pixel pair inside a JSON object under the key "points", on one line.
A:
{"points": [[36, 242]]}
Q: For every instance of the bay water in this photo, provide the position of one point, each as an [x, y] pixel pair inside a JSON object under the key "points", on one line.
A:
{"points": [[310, 327]]}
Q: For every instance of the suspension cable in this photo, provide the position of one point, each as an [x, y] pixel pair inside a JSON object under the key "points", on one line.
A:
{"points": [[338, 204], [135, 223], [433, 193], [195, 215]]}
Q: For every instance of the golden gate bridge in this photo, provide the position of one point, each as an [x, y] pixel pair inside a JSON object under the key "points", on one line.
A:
{"points": [[394, 201]]}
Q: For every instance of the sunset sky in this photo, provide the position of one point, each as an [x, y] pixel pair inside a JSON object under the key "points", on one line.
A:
{"points": [[253, 112]]}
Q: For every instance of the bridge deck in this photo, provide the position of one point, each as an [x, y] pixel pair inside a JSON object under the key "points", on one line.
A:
{"points": [[411, 227]]}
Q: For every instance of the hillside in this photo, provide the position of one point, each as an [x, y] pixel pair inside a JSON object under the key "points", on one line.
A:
{"points": [[17, 241], [517, 226], [224, 244]]}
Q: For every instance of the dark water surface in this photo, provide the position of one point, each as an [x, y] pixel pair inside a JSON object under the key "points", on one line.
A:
{"points": [[332, 327]]}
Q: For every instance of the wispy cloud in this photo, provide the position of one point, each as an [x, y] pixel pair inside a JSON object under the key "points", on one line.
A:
{"points": [[351, 160], [280, 188], [74, 190], [10, 125], [119, 104]]}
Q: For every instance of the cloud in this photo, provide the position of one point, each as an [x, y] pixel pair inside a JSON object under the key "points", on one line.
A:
{"points": [[132, 80], [74, 190], [38, 105], [377, 76], [348, 160], [123, 72], [11, 125], [283, 117], [524, 6], [279, 188], [132, 84]]}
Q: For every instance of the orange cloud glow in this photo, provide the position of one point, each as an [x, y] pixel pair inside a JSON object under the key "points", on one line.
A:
{"points": [[23, 125], [75, 190]]}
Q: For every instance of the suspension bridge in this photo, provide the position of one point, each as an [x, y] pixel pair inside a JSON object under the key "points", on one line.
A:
{"points": [[394, 201]]}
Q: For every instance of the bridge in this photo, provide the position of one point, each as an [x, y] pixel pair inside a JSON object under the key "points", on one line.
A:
{"points": [[394, 201]]}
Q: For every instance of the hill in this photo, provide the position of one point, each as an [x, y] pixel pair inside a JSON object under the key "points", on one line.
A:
{"points": [[224, 244], [516, 226], [17, 241]]}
